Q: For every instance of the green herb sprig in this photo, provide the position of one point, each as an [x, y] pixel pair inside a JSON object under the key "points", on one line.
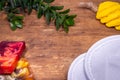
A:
{"points": [[13, 8]]}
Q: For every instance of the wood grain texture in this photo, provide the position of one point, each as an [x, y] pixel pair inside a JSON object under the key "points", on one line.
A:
{"points": [[51, 52]]}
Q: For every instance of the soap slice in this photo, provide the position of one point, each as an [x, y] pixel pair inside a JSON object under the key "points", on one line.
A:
{"points": [[8, 48], [10, 53], [21, 72]]}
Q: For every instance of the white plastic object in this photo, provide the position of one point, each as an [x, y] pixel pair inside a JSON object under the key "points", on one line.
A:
{"points": [[76, 69], [102, 61]]}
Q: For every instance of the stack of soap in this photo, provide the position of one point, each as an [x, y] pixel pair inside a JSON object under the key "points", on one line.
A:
{"points": [[100, 62], [13, 65]]}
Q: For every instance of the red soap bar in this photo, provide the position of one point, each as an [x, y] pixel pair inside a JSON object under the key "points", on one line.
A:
{"points": [[8, 64], [10, 53], [8, 48]]}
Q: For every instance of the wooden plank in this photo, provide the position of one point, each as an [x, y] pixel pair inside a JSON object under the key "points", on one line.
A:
{"points": [[51, 52]]}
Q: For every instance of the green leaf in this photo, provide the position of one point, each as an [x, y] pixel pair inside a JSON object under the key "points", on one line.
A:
{"points": [[53, 14], [48, 17], [19, 17], [12, 3], [1, 6], [15, 21], [35, 6], [57, 7], [10, 16], [16, 11], [66, 28], [57, 24], [29, 7], [37, 1], [21, 3], [39, 12], [69, 22], [65, 11], [25, 2], [45, 7], [59, 21], [48, 1], [71, 16], [18, 24], [13, 26]]}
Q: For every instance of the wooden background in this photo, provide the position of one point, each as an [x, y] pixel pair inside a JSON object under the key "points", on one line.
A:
{"points": [[51, 52]]}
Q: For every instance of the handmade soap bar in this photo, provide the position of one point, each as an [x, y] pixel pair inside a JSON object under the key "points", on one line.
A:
{"points": [[10, 53], [109, 13]]}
